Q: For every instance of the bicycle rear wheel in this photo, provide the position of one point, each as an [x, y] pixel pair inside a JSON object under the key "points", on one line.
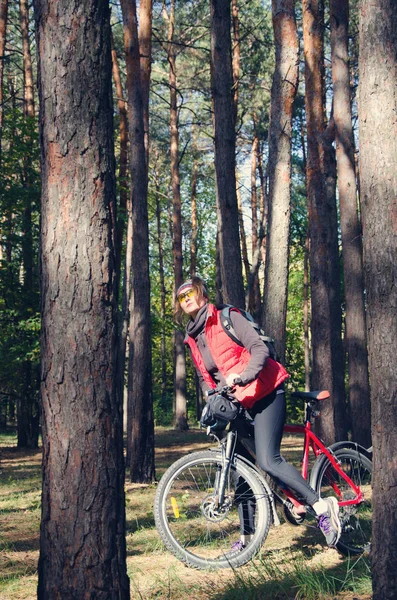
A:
{"points": [[356, 519], [192, 524]]}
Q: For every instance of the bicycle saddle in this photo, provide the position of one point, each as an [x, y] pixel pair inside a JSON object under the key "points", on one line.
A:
{"points": [[307, 396]]}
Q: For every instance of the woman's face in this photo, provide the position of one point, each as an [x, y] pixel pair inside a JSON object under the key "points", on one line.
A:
{"points": [[190, 303]]}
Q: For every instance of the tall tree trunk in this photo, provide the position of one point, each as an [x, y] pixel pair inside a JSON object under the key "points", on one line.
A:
{"points": [[162, 293], [179, 347], [123, 350], [285, 82], [306, 283], [218, 276], [27, 60], [194, 233], [123, 160], [124, 227], [28, 408], [378, 186], [326, 341], [243, 239], [9, 217], [3, 30], [252, 291], [194, 221], [334, 275], [254, 195], [306, 312], [359, 394], [29, 113], [263, 208], [255, 294], [82, 540], [236, 56], [140, 420], [225, 142], [145, 46]]}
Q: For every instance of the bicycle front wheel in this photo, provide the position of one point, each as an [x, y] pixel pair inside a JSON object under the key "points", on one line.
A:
{"points": [[199, 530], [356, 519]]}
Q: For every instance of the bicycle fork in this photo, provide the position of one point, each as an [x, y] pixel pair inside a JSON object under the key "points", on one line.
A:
{"points": [[223, 474]]}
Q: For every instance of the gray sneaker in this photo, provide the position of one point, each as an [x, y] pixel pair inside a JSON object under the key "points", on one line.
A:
{"points": [[329, 522]]}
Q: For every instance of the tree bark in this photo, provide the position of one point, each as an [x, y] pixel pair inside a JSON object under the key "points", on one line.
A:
{"points": [[82, 540], [243, 239], [3, 30], [27, 60], [194, 222], [285, 82], [140, 420], [179, 347], [252, 291], [225, 142], [263, 209], [254, 195], [306, 313], [145, 46], [378, 185], [325, 303], [194, 232], [218, 276], [254, 295], [123, 161], [27, 406], [334, 278], [124, 228], [306, 282], [359, 393], [162, 294], [236, 56]]}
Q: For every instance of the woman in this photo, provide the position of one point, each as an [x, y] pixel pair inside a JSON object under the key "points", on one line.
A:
{"points": [[220, 361]]}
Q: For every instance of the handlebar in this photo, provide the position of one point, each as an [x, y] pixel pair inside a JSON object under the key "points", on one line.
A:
{"points": [[225, 390]]}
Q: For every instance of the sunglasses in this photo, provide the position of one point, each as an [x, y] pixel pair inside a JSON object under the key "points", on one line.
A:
{"points": [[188, 294]]}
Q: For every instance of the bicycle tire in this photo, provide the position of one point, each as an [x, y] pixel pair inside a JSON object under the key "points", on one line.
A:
{"points": [[356, 520], [196, 531]]}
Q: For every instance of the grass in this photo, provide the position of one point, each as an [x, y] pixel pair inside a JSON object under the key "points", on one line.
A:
{"points": [[293, 564]]}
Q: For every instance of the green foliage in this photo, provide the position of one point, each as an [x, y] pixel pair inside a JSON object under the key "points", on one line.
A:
{"points": [[20, 187], [19, 265], [295, 339], [192, 49]]}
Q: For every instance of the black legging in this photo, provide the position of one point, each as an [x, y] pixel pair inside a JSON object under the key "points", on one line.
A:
{"points": [[268, 426], [269, 418]]}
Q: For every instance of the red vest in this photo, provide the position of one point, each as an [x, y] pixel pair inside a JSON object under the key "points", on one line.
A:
{"points": [[229, 357]]}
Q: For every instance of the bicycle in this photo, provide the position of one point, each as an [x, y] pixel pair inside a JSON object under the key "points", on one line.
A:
{"points": [[205, 498]]}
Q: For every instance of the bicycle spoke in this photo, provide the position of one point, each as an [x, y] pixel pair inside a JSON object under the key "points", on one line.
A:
{"points": [[191, 518], [355, 516]]}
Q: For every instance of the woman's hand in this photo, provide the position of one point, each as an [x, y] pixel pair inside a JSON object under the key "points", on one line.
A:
{"points": [[230, 378]]}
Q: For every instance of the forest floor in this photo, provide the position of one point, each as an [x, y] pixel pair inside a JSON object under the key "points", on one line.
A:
{"points": [[293, 564]]}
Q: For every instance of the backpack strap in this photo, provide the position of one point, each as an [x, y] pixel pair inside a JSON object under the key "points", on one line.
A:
{"points": [[227, 324]]}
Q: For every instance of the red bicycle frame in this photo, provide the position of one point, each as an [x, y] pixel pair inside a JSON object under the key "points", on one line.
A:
{"points": [[318, 448]]}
